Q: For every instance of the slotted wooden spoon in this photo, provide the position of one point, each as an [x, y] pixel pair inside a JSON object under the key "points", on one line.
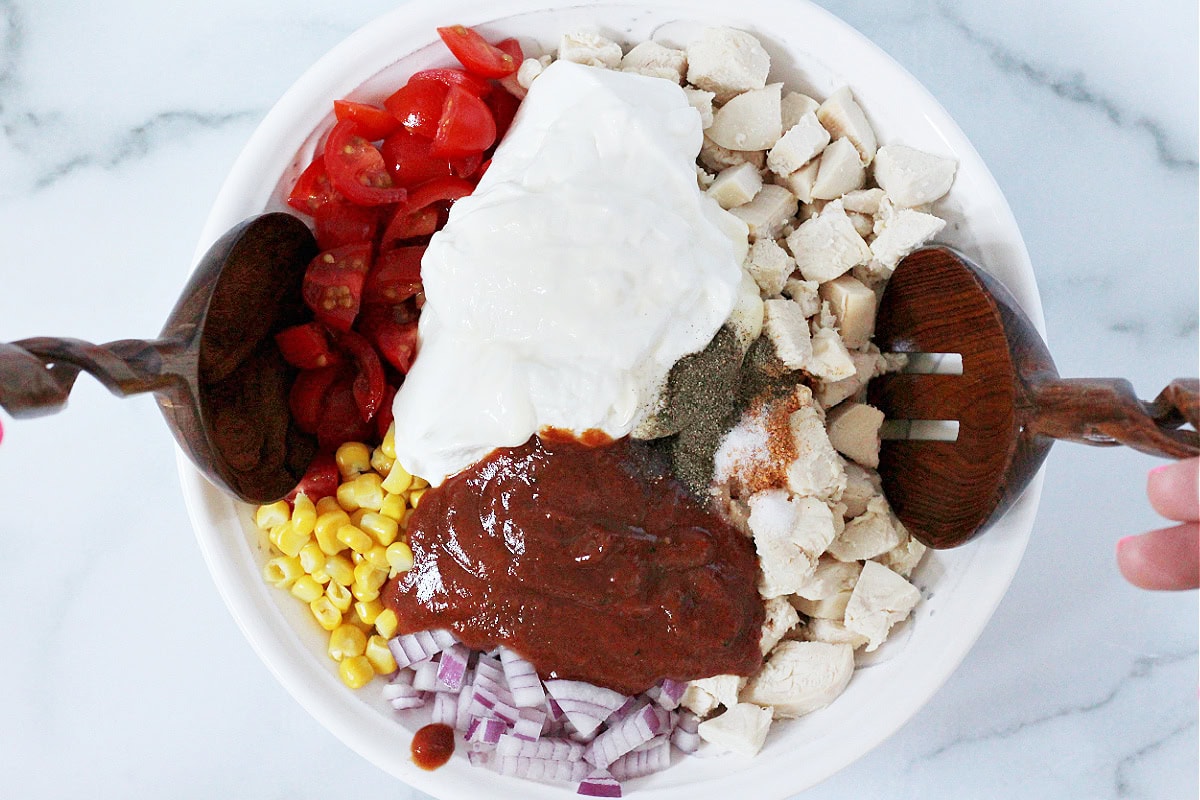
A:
{"points": [[1009, 401]]}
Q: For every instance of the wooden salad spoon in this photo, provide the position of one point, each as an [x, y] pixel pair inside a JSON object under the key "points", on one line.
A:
{"points": [[215, 370], [1009, 401]]}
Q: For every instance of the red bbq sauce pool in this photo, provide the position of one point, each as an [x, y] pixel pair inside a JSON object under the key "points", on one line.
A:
{"points": [[432, 746], [589, 559]]}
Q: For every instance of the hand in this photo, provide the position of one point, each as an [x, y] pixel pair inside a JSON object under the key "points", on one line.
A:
{"points": [[1167, 558]]}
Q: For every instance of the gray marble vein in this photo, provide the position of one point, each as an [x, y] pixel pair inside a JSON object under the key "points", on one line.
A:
{"points": [[1122, 783]]}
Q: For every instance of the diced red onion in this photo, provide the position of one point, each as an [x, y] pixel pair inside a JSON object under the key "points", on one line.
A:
{"points": [[642, 762], [488, 703], [445, 708], [685, 736], [410, 648], [452, 666], [487, 731], [599, 783], [425, 676], [627, 734], [462, 716], [539, 769], [523, 680], [400, 693], [479, 758], [553, 749], [530, 725], [667, 693]]}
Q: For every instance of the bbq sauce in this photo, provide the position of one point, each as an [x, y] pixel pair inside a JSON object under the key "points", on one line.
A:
{"points": [[432, 746]]}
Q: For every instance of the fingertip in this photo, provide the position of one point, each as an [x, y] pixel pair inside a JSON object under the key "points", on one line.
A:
{"points": [[1165, 559]]}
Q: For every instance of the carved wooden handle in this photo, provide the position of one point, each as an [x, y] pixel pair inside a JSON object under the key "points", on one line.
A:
{"points": [[36, 375], [1106, 411]]}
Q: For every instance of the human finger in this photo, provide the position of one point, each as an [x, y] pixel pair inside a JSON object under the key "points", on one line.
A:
{"points": [[1174, 490], [1167, 558]]}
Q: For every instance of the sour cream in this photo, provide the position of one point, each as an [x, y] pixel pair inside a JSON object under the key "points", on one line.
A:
{"points": [[561, 292]]}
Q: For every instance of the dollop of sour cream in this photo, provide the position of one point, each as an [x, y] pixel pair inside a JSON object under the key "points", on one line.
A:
{"points": [[585, 264]]}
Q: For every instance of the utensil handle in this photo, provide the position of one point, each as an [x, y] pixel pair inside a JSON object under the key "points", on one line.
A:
{"points": [[1107, 412], [36, 375]]}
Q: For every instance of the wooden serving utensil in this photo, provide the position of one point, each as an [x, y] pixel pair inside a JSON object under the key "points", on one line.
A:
{"points": [[1009, 401], [217, 375]]}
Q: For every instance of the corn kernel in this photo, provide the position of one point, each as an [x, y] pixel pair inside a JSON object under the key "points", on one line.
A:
{"points": [[356, 672], [282, 571], [312, 557], [380, 656], [386, 623], [381, 462], [346, 498], [393, 506], [273, 534], [370, 575], [368, 610], [388, 445], [399, 557], [269, 516], [353, 459], [320, 576], [304, 514], [307, 589], [327, 528], [339, 595], [414, 497], [407, 518], [384, 529], [290, 540], [367, 630], [377, 558], [340, 569], [346, 641], [420, 483], [364, 591], [328, 616], [354, 538], [366, 491], [327, 504], [398, 480]]}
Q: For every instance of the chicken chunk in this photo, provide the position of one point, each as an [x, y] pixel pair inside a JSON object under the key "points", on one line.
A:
{"points": [[827, 245], [787, 329], [589, 49], [741, 729], [840, 171], [735, 186], [752, 120], [767, 213], [801, 677], [702, 101], [881, 598], [790, 533], [899, 231], [656, 61], [853, 303], [870, 534], [769, 265], [854, 432], [780, 619], [912, 177], [817, 470], [727, 62], [842, 116], [802, 142]]}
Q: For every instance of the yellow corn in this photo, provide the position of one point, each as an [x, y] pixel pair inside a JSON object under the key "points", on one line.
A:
{"points": [[312, 558], [327, 528], [304, 514], [388, 445], [307, 589], [327, 504], [353, 459], [339, 595], [414, 497], [353, 619], [381, 462], [354, 538], [377, 558], [369, 576], [328, 616], [346, 641], [290, 539], [346, 498], [384, 529], [270, 516], [356, 671], [340, 569], [420, 483], [320, 576], [282, 571], [399, 557], [393, 507], [380, 656], [398, 480], [366, 490], [368, 610], [386, 623]]}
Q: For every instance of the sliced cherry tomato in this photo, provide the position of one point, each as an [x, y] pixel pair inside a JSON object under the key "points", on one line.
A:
{"points": [[333, 284], [418, 106], [357, 170], [407, 156], [321, 480], [504, 107], [372, 122], [383, 420], [307, 397], [393, 331], [313, 188], [483, 168], [369, 382], [341, 420], [307, 346], [454, 77], [395, 277], [467, 166], [474, 52], [513, 48], [466, 126], [340, 223], [435, 191], [405, 225]]}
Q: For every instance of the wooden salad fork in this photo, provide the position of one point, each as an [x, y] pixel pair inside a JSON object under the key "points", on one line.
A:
{"points": [[1009, 402]]}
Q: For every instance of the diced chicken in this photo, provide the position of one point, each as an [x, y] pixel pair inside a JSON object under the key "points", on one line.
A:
{"points": [[854, 432], [805, 294], [870, 534], [800, 182], [653, 60], [831, 359], [801, 677], [702, 101], [912, 177], [752, 120], [781, 617], [881, 598], [704, 178], [746, 318], [717, 158], [827, 245], [802, 142], [842, 116], [727, 61], [817, 470], [899, 231], [766, 214], [832, 631], [861, 486], [796, 105], [787, 328], [698, 701], [863, 201], [853, 303], [904, 557], [769, 265], [529, 70], [736, 186], [840, 171], [832, 607], [790, 533], [741, 729], [723, 688], [589, 49], [830, 578], [862, 223]]}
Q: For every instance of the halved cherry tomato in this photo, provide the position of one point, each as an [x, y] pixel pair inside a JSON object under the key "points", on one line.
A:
{"points": [[406, 225], [313, 188], [393, 331], [407, 156], [333, 284], [395, 277], [340, 223], [357, 170], [504, 108], [418, 106], [372, 122], [321, 479], [435, 191], [466, 126], [454, 77], [341, 420], [383, 420], [369, 382], [307, 346], [474, 52], [307, 397]]}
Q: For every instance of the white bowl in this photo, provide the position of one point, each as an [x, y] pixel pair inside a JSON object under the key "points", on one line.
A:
{"points": [[811, 50]]}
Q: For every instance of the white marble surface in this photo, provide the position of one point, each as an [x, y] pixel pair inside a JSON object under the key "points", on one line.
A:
{"points": [[124, 676]]}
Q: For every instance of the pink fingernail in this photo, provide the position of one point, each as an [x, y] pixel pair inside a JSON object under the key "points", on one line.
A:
{"points": [[1159, 469]]}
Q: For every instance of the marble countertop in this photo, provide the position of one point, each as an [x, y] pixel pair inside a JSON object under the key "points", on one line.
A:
{"points": [[124, 676]]}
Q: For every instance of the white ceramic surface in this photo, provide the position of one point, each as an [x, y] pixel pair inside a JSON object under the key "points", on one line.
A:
{"points": [[812, 51]]}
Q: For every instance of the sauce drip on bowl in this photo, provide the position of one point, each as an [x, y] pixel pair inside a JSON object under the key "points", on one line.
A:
{"points": [[590, 561], [432, 746]]}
